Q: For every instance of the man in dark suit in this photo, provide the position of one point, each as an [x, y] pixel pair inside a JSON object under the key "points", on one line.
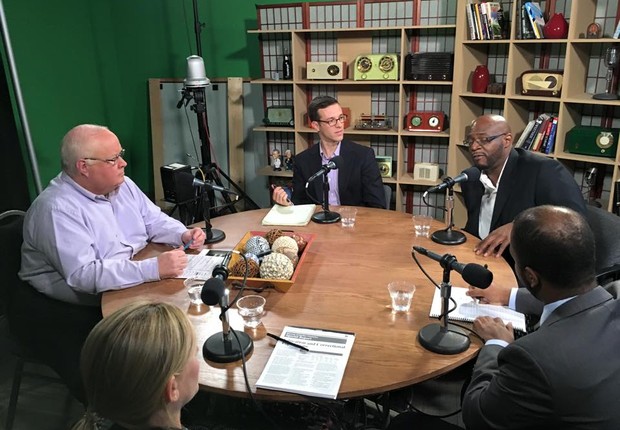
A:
{"points": [[511, 180], [356, 182], [564, 375]]}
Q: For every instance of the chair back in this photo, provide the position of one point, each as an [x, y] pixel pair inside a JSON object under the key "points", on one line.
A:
{"points": [[606, 228], [388, 195], [11, 238]]}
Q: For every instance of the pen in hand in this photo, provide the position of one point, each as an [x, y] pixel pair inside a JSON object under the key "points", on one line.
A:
{"points": [[288, 342], [290, 203], [187, 245]]}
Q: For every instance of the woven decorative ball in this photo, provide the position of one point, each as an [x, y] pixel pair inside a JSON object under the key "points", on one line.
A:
{"points": [[301, 242], [291, 254], [257, 245], [284, 242], [238, 269], [252, 257], [276, 266], [272, 235]]}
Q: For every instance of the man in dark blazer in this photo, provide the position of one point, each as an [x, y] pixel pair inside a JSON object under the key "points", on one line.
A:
{"points": [[511, 181], [564, 375], [356, 182]]}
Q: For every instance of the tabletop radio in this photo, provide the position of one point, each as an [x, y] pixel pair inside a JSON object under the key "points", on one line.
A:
{"points": [[376, 67], [542, 83], [590, 140], [428, 66], [425, 121], [426, 171], [326, 70], [279, 116], [385, 165]]}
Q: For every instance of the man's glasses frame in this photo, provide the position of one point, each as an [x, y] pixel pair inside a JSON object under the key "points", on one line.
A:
{"points": [[332, 121], [112, 161], [482, 140]]}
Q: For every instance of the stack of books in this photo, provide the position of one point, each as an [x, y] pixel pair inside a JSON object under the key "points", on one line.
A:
{"points": [[539, 134], [484, 20], [532, 21]]}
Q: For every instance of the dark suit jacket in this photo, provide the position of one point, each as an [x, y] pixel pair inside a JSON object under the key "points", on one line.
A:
{"points": [[565, 376], [528, 180], [359, 179]]}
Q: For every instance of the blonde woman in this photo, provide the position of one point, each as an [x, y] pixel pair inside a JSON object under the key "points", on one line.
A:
{"points": [[139, 367]]}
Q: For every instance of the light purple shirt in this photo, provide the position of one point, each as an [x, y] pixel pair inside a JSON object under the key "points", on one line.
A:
{"points": [[332, 177], [78, 244]]}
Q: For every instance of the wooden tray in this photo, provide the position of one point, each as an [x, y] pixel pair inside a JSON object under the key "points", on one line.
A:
{"points": [[280, 285]]}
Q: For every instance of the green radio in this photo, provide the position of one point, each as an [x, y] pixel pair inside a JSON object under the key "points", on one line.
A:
{"points": [[590, 140], [376, 67]]}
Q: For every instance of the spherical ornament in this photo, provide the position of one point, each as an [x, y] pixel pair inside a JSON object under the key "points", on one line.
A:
{"points": [[276, 266], [238, 269], [301, 242], [257, 245], [291, 254], [284, 242], [250, 256], [272, 235]]}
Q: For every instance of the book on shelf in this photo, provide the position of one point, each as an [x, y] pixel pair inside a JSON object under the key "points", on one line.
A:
{"points": [[534, 131], [545, 140], [476, 7], [468, 309], [471, 25], [525, 134], [551, 144], [484, 22], [526, 26], [535, 16], [540, 134]]}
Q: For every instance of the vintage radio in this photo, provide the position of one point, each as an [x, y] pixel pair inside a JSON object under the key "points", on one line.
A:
{"points": [[429, 66], [542, 83], [373, 122], [326, 70], [376, 67], [590, 140], [425, 121], [385, 165], [426, 171], [279, 116]]}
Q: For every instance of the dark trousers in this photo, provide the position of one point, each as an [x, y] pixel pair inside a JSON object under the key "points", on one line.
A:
{"points": [[53, 332]]}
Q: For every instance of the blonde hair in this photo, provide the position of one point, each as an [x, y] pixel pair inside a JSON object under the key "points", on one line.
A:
{"points": [[127, 360]]}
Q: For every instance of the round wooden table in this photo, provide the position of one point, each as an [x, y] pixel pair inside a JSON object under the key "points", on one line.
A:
{"points": [[342, 285]]}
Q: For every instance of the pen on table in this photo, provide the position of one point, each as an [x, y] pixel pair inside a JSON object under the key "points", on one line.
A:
{"points": [[288, 342], [187, 245]]}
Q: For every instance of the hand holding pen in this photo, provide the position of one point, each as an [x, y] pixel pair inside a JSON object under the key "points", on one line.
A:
{"points": [[280, 196]]}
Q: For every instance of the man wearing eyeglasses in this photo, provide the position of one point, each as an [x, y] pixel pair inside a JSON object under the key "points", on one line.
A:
{"points": [[511, 181], [80, 236], [357, 182]]}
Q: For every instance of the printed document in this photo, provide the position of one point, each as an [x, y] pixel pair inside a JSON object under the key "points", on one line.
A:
{"points": [[317, 372], [201, 265]]}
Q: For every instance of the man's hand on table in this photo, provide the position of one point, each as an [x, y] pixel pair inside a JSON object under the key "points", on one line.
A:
{"points": [[496, 242]]}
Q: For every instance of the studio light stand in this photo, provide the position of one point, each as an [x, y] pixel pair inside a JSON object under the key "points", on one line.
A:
{"points": [[444, 338], [449, 236], [326, 216], [213, 235]]}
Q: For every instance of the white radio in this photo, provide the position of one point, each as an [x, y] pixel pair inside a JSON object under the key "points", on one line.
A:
{"points": [[326, 70], [426, 171]]}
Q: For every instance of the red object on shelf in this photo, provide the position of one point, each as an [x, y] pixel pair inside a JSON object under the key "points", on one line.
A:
{"points": [[556, 27], [480, 79]]}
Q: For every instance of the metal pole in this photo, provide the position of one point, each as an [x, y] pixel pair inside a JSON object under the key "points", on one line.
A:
{"points": [[19, 99]]}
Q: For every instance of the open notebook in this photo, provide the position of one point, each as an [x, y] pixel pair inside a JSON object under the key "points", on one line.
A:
{"points": [[298, 215], [468, 309]]}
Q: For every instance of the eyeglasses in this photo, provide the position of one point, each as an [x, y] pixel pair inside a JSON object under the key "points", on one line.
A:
{"points": [[112, 161], [481, 140], [332, 121]]}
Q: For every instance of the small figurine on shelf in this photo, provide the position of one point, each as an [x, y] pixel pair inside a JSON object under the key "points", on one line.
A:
{"points": [[276, 162], [288, 160]]}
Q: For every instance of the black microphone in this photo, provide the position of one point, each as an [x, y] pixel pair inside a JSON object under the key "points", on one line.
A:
{"points": [[186, 178], [472, 273], [467, 175], [333, 164]]}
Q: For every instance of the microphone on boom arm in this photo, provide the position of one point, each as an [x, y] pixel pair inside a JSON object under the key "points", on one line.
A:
{"points": [[326, 216], [220, 347], [447, 338], [448, 236]]}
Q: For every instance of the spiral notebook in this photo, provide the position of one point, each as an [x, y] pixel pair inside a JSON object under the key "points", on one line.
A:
{"points": [[467, 309], [297, 215]]}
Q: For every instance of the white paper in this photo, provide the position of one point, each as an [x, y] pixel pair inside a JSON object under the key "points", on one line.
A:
{"points": [[468, 309], [298, 215], [316, 373], [201, 265]]}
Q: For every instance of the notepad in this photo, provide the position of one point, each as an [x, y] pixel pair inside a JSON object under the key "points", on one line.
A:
{"points": [[467, 309], [298, 215]]}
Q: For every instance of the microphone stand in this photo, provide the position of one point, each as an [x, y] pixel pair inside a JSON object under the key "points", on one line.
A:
{"points": [[444, 338], [326, 217], [213, 235], [449, 236]]}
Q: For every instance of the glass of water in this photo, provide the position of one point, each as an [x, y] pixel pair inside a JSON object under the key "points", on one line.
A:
{"points": [[251, 309], [347, 216], [401, 293], [422, 225], [194, 290]]}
